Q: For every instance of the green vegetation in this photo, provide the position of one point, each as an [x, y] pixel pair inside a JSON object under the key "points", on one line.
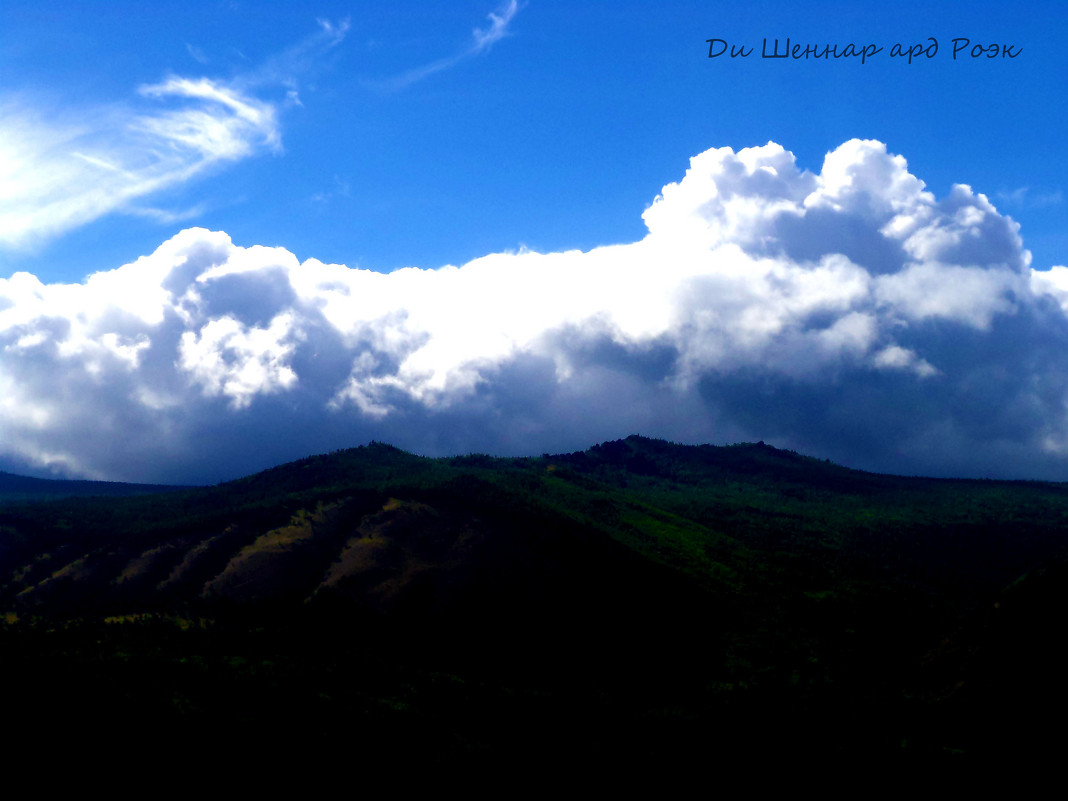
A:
{"points": [[639, 602]]}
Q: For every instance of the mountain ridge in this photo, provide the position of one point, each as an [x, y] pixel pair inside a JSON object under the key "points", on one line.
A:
{"points": [[17, 487], [681, 584]]}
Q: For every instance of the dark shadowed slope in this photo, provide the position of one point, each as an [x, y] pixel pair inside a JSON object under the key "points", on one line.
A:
{"points": [[638, 597], [17, 489]]}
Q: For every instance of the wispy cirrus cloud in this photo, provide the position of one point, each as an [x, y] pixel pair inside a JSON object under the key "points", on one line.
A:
{"points": [[197, 54], [497, 29], [166, 216], [482, 39], [219, 123], [299, 59], [1023, 196], [63, 167]]}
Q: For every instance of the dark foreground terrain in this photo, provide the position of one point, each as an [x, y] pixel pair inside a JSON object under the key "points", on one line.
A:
{"points": [[639, 607]]}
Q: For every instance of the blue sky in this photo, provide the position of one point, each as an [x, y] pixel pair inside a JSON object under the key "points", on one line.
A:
{"points": [[555, 136], [519, 157]]}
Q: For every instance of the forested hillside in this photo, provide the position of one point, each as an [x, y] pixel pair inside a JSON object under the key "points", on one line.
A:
{"points": [[636, 599]]}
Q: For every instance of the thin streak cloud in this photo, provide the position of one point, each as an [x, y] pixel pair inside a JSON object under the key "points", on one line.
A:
{"points": [[482, 39], [498, 28]]}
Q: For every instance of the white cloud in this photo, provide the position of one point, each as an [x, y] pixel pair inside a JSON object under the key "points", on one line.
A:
{"points": [[847, 313], [229, 358], [482, 39], [497, 29], [59, 175], [63, 168], [1023, 196], [1052, 282], [197, 54], [894, 357], [211, 136], [970, 295]]}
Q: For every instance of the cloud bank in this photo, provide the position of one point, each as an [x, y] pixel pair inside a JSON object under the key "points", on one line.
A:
{"points": [[848, 314]]}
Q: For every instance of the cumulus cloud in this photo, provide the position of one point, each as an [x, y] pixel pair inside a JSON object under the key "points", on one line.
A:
{"points": [[847, 313]]}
